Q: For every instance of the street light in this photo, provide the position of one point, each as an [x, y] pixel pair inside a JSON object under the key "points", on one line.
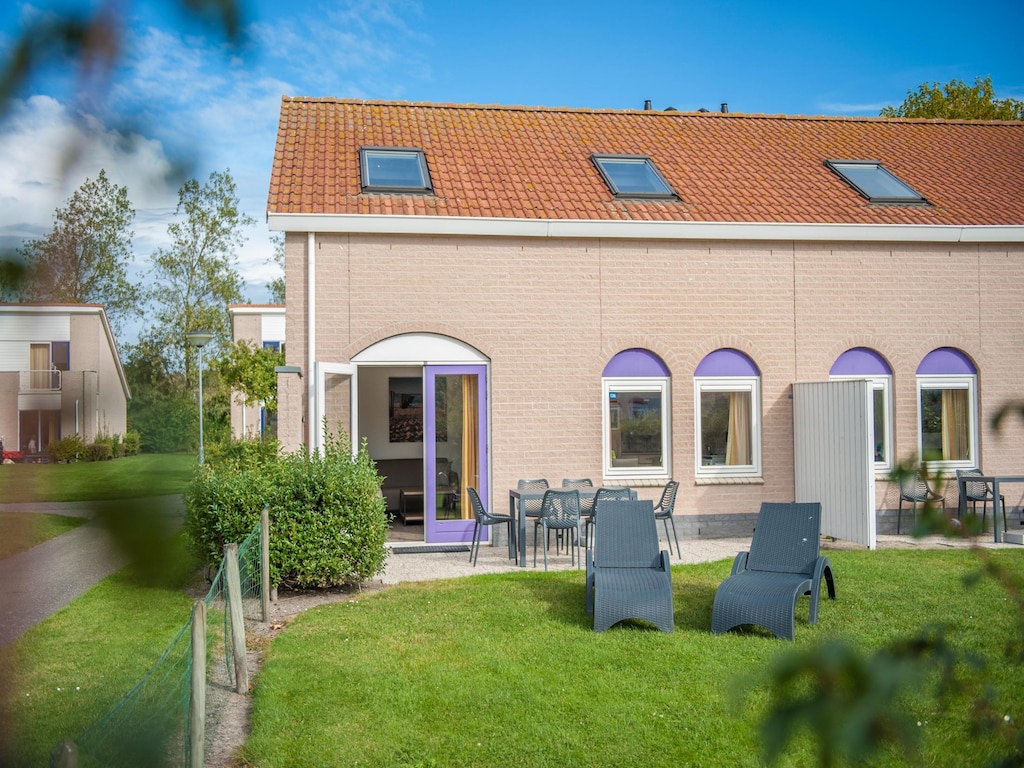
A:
{"points": [[200, 339]]}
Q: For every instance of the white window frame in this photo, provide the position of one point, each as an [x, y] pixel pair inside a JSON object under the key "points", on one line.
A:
{"points": [[619, 385], [750, 384], [883, 383], [951, 381]]}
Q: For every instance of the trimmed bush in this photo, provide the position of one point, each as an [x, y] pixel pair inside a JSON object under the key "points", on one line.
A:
{"points": [[132, 443], [99, 452], [66, 450], [328, 521]]}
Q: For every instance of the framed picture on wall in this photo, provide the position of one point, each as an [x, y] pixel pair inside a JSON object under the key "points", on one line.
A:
{"points": [[405, 409]]}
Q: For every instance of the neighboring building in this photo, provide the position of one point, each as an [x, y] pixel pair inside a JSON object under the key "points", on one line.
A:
{"points": [[634, 296], [60, 375], [261, 324]]}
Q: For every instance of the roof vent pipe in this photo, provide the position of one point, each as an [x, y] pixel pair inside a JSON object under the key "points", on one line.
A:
{"points": [[725, 107], [647, 104]]}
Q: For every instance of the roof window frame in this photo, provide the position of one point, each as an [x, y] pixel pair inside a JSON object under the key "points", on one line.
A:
{"points": [[835, 165], [669, 194], [415, 152]]}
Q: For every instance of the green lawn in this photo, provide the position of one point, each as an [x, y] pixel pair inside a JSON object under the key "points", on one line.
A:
{"points": [[505, 670], [24, 531], [69, 671], [147, 474]]}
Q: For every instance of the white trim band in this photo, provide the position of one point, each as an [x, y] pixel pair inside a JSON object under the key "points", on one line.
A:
{"points": [[641, 230]]}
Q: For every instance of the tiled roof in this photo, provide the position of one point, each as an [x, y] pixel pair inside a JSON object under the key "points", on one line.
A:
{"points": [[534, 163]]}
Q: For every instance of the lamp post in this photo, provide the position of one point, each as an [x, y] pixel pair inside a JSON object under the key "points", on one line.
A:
{"points": [[200, 339]]}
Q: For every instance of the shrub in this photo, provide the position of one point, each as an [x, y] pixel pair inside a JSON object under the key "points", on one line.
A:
{"points": [[132, 443], [66, 450], [328, 521], [99, 452], [247, 451], [114, 441]]}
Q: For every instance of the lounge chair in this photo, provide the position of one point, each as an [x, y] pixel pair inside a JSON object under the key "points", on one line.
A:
{"points": [[627, 577], [783, 563]]}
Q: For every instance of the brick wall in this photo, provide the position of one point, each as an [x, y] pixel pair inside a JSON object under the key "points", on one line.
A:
{"points": [[549, 314]]}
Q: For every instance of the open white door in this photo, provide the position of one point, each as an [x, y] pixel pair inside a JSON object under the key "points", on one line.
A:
{"points": [[337, 401]]}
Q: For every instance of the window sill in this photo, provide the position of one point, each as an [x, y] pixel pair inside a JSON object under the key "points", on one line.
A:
{"points": [[729, 481], [635, 482]]}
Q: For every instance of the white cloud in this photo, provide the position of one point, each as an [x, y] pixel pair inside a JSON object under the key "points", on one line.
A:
{"points": [[47, 153]]}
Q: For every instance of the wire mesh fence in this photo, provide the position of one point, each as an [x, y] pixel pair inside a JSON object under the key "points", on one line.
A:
{"points": [[152, 725]]}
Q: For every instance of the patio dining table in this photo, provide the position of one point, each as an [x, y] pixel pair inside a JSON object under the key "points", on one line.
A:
{"points": [[518, 501], [998, 513]]}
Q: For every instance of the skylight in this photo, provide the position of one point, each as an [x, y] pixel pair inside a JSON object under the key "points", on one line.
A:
{"points": [[632, 176], [872, 180], [386, 169]]}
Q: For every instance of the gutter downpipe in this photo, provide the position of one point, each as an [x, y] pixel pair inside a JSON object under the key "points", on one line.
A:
{"points": [[313, 429]]}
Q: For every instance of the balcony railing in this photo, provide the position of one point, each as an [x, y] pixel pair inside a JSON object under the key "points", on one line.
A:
{"points": [[39, 381]]}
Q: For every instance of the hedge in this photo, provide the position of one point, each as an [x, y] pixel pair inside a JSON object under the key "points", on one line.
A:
{"points": [[328, 520]]}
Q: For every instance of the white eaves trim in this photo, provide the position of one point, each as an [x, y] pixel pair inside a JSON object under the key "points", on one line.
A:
{"points": [[640, 230]]}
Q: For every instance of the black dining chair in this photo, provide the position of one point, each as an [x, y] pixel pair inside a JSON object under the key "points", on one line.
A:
{"points": [[915, 489], [482, 518], [975, 491], [560, 510]]}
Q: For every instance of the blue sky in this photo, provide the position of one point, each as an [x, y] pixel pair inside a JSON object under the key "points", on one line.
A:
{"points": [[188, 100]]}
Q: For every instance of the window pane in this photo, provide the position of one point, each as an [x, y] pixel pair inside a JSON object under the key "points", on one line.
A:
{"points": [[394, 170], [945, 424], [725, 427], [60, 352], [876, 182], [633, 176], [635, 426], [879, 433]]}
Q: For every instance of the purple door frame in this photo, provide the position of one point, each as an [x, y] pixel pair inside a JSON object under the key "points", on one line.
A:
{"points": [[443, 531]]}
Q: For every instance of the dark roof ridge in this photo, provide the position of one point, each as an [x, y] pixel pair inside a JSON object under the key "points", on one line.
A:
{"points": [[659, 113]]}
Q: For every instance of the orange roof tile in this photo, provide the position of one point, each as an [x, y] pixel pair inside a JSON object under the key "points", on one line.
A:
{"points": [[534, 163]]}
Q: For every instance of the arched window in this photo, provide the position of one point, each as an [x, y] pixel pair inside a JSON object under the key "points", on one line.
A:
{"points": [[727, 395], [636, 416], [864, 363], [947, 385]]}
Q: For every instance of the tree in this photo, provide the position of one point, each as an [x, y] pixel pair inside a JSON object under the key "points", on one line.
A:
{"points": [[84, 259], [957, 100], [249, 369], [276, 285], [195, 278]]}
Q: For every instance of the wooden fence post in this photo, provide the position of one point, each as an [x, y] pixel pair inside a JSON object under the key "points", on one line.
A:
{"points": [[197, 706], [265, 562], [237, 621]]}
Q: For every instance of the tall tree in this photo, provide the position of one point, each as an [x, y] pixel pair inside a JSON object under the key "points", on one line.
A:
{"points": [[85, 258], [956, 100], [195, 278]]}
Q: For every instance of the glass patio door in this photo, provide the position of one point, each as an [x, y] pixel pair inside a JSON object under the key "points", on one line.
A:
{"points": [[455, 448]]}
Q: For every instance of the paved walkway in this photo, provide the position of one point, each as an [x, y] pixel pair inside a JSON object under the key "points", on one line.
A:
{"points": [[38, 582]]}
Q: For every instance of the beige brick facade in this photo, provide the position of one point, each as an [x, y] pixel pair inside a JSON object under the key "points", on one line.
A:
{"points": [[550, 313]]}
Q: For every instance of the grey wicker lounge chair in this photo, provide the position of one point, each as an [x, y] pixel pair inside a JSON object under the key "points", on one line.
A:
{"points": [[783, 563], [663, 511], [559, 510], [603, 494], [481, 518], [627, 577]]}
